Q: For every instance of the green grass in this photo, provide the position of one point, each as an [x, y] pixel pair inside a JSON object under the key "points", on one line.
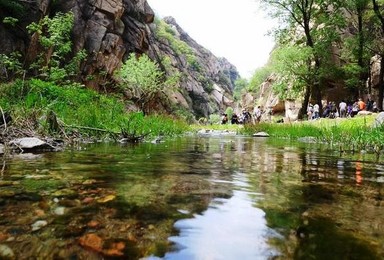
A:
{"points": [[31, 101], [352, 134]]}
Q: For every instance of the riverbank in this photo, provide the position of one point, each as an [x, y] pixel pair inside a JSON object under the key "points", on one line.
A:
{"points": [[355, 135], [74, 114], [71, 114]]}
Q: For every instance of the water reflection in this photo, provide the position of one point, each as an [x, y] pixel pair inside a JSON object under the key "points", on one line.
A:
{"points": [[193, 198], [230, 229]]}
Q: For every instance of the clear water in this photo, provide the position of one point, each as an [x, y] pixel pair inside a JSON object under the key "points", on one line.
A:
{"points": [[217, 197]]}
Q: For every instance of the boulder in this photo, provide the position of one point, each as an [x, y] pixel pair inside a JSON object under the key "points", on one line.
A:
{"points": [[379, 120], [261, 134], [28, 142]]}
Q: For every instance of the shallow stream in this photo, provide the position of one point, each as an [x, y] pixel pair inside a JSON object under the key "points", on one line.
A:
{"points": [[221, 197]]}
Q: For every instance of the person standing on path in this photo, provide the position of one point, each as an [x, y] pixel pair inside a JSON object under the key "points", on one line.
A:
{"points": [[343, 109]]}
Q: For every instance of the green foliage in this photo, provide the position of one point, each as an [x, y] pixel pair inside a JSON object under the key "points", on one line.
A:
{"points": [[77, 106], [10, 20], [355, 134], [138, 124], [144, 80], [214, 119], [352, 74], [165, 32], [184, 114], [294, 73], [10, 65], [258, 77], [58, 30], [55, 37], [229, 112], [240, 85]]}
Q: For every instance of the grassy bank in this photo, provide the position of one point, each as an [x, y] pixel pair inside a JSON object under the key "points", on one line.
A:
{"points": [[351, 134], [35, 105]]}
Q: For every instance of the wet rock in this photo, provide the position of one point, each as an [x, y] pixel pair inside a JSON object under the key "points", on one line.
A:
{"points": [[88, 200], [307, 139], [39, 225], [6, 183], [6, 193], [27, 142], [93, 224], [205, 132], [106, 199], [6, 252], [114, 249], [39, 213], [68, 193], [89, 182], [261, 134], [3, 236], [91, 241], [364, 113], [379, 120], [59, 211]]}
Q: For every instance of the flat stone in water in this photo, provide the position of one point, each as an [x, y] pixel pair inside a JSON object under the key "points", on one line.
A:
{"points": [[261, 134], [6, 252], [27, 142], [59, 211], [307, 139], [39, 224]]}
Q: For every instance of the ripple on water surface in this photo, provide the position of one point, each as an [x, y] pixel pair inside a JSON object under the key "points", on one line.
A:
{"points": [[229, 229]]}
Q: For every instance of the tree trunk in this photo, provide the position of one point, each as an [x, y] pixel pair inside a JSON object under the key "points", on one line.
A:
{"points": [[360, 59], [303, 110], [381, 84]]}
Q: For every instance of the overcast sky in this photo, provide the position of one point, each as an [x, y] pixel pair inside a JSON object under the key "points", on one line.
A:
{"points": [[235, 30]]}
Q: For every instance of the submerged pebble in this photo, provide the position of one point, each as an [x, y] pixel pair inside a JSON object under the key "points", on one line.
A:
{"points": [[6, 252], [39, 224], [59, 211]]}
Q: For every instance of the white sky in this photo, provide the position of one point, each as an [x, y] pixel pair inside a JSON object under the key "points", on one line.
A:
{"points": [[232, 29]]}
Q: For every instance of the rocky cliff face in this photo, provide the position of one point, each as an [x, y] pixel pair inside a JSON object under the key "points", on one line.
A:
{"points": [[109, 30], [207, 82]]}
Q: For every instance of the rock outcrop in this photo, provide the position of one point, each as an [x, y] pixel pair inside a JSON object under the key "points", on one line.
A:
{"points": [[207, 82], [109, 30]]}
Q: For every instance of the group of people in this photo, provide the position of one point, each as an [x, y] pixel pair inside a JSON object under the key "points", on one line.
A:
{"points": [[246, 117], [350, 109]]}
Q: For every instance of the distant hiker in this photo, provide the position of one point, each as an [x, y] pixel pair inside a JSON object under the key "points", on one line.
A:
{"points": [[257, 114], [316, 111], [224, 119], [310, 111], [343, 108], [361, 104], [234, 119]]}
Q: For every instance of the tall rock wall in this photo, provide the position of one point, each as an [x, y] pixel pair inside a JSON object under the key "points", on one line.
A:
{"points": [[109, 30], [207, 82]]}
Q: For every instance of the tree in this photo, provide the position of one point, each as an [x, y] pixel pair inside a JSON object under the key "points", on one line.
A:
{"points": [[298, 15], [293, 73], [355, 50], [54, 36], [145, 81], [240, 85], [379, 31]]}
